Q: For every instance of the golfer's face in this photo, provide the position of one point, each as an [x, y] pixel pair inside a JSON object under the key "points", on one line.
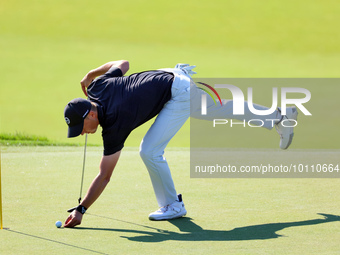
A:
{"points": [[90, 127]]}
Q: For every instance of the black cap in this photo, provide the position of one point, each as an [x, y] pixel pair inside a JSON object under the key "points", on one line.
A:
{"points": [[75, 112]]}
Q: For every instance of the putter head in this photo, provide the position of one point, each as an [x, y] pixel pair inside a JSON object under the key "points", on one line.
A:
{"points": [[72, 209]]}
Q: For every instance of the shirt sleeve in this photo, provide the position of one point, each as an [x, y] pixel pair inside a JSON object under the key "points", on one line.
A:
{"points": [[114, 72], [112, 143], [111, 73], [112, 150]]}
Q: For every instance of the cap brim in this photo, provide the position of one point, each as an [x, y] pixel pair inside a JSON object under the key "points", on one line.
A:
{"points": [[75, 130]]}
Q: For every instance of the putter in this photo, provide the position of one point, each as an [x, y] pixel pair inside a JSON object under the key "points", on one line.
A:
{"points": [[82, 178]]}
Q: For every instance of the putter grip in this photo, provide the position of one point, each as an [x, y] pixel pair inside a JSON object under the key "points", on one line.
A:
{"points": [[80, 208], [72, 209]]}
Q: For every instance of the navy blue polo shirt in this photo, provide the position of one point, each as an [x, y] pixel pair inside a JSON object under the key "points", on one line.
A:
{"points": [[126, 102]]}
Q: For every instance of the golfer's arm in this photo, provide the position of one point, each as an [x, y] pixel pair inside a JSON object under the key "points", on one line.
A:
{"points": [[99, 183], [123, 65]]}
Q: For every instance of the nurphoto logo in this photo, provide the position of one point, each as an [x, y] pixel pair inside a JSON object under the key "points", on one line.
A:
{"points": [[238, 99]]}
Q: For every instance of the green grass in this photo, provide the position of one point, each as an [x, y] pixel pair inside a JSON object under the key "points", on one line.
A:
{"points": [[18, 137], [22, 139], [234, 216]]}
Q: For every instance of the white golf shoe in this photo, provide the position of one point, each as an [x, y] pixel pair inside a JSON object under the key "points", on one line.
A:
{"points": [[171, 211], [285, 127]]}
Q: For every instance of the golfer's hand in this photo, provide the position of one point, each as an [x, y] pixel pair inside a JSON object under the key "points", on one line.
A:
{"points": [[85, 82], [73, 219]]}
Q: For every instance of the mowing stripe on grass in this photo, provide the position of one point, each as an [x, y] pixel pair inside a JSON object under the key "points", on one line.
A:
{"points": [[55, 241]]}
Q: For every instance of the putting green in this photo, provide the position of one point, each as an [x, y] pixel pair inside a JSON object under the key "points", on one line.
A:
{"points": [[234, 216]]}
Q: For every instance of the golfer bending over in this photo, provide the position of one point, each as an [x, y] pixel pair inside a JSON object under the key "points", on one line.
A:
{"points": [[120, 104]]}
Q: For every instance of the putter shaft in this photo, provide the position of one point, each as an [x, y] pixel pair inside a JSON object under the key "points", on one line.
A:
{"points": [[82, 175]]}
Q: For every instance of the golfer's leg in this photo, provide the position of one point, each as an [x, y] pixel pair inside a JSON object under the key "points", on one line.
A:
{"points": [[152, 148], [168, 122]]}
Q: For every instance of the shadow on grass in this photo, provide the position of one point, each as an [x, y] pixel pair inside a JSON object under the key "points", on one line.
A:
{"points": [[189, 231]]}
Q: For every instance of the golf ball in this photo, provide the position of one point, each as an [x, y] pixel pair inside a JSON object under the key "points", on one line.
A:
{"points": [[58, 224]]}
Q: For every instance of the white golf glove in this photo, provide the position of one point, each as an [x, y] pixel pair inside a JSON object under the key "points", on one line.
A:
{"points": [[186, 68]]}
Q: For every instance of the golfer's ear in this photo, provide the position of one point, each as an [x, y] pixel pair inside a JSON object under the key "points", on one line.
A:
{"points": [[93, 114]]}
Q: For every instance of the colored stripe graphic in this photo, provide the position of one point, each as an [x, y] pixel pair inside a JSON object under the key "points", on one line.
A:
{"points": [[213, 90]]}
